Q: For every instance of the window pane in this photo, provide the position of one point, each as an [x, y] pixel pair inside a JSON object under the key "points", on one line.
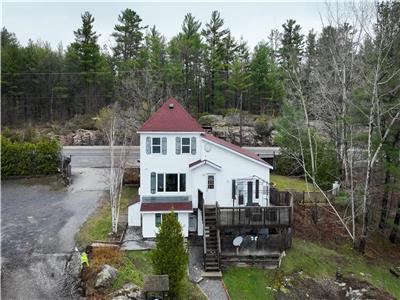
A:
{"points": [[171, 182], [182, 184], [185, 149], [156, 149], [156, 145], [158, 220], [185, 145], [211, 182], [160, 182]]}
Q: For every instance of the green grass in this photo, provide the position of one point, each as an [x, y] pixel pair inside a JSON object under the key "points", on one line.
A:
{"points": [[290, 183], [313, 260], [247, 283], [135, 265], [98, 226]]}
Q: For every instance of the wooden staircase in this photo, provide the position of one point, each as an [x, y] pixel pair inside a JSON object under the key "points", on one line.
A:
{"points": [[211, 248]]}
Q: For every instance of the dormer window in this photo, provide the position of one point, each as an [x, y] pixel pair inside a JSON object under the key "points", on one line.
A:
{"points": [[156, 145]]}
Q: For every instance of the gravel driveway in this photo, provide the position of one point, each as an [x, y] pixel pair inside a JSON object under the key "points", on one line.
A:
{"points": [[39, 219]]}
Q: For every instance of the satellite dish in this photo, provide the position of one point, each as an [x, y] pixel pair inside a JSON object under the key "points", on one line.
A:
{"points": [[207, 147], [237, 241]]}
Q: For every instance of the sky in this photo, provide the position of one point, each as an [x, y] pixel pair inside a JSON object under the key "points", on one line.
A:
{"points": [[55, 21]]}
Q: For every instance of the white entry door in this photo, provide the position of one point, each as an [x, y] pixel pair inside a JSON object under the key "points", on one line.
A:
{"points": [[210, 197]]}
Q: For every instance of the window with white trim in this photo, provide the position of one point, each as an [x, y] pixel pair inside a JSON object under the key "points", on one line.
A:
{"points": [[185, 145], [170, 182], [159, 218], [156, 145], [210, 182]]}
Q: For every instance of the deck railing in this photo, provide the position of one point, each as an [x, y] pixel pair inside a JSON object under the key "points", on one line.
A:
{"points": [[272, 216], [258, 216]]}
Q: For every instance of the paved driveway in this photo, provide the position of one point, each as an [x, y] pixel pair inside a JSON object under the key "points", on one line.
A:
{"points": [[39, 218]]}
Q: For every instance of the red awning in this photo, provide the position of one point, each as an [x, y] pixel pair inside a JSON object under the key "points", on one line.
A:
{"points": [[175, 206]]}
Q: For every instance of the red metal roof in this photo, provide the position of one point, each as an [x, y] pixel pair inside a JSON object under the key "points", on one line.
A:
{"points": [[233, 147], [166, 119], [175, 206]]}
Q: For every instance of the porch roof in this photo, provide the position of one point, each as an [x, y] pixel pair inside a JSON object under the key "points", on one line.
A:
{"points": [[201, 162], [166, 203]]}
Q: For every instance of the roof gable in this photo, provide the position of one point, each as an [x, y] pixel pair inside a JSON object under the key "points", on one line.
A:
{"points": [[239, 150], [171, 117]]}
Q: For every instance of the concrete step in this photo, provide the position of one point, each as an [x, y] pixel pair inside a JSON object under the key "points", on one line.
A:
{"points": [[215, 274]]}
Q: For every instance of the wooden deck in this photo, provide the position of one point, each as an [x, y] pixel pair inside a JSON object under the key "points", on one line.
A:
{"points": [[265, 217]]}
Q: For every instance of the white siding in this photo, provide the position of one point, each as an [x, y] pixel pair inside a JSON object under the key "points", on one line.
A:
{"points": [[169, 163], [134, 214], [149, 228]]}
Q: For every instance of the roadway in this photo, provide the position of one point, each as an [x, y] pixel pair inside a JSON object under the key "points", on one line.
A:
{"points": [[99, 157]]}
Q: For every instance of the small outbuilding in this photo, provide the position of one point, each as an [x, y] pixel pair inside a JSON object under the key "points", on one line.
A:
{"points": [[156, 286]]}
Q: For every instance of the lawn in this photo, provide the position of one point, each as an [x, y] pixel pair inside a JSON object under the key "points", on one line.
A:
{"points": [[98, 226], [313, 260], [291, 183]]}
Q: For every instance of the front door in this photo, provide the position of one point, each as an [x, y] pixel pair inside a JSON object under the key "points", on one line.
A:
{"points": [[210, 198], [249, 193]]}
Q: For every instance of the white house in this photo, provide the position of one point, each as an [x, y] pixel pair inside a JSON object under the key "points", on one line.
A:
{"points": [[185, 169]]}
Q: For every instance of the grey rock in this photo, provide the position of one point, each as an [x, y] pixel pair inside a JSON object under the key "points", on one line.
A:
{"points": [[106, 276], [211, 120], [121, 298]]}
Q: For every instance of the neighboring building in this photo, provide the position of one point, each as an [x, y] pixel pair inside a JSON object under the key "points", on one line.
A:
{"points": [[197, 175]]}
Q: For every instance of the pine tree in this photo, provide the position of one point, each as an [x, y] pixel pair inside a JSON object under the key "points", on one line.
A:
{"points": [[267, 91], [85, 46], [170, 256], [128, 35], [291, 45], [214, 36]]}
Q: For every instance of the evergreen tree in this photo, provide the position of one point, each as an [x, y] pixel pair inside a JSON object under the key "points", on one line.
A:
{"points": [[128, 35], [267, 91], [291, 45], [92, 85], [170, 256], [214, 50], [85, 47]]}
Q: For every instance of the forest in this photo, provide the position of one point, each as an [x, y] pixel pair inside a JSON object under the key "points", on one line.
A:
{"points": [[335, 94]]}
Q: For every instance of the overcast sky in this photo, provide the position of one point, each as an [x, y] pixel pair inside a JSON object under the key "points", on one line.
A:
{"points": [[55, 22]]}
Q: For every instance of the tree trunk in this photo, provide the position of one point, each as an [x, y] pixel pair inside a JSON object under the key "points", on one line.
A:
{"points": [[396, 224], [385, 198]]}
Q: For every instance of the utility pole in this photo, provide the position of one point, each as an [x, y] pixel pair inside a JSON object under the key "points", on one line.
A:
{"points": [[240, 118]]}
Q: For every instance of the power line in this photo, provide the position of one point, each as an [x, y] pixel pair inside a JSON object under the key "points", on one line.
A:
{"points": [[104, 72]]}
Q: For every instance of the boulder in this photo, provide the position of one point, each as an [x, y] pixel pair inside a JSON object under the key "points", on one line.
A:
{"points": [[232, 134], [106, 276], [211, 120], [84, 137], [128, 291], [121, 298]]}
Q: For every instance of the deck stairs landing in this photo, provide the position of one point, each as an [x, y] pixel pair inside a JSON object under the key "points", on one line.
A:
{"points": [[211, 251]]}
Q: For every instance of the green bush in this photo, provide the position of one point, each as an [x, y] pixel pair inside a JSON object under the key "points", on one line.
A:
{"points": [[29, 158]]}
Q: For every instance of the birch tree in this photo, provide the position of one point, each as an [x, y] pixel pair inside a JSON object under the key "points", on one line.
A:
{"points": [[118, 127]]}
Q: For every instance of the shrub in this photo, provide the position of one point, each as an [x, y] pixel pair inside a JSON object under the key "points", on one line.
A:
{"points": [[170, 256], [29, 158]]}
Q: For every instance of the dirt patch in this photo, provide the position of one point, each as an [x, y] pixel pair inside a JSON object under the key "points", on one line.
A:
{"points": [[98, 258], [327, 230], [299, 286]]}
